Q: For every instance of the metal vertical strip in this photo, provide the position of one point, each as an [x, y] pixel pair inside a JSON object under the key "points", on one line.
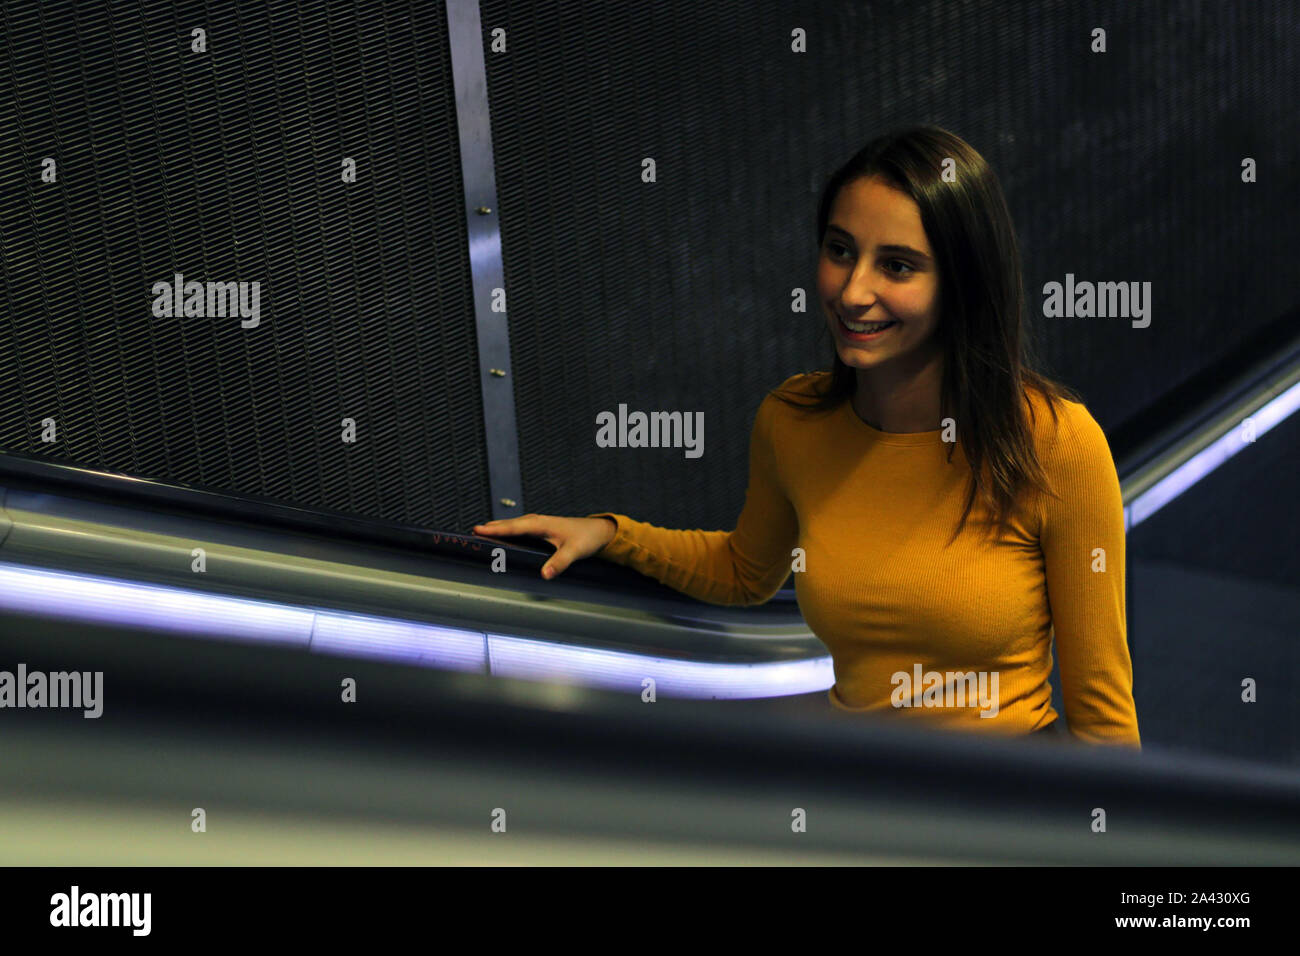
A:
{"points": [[483, 228]]}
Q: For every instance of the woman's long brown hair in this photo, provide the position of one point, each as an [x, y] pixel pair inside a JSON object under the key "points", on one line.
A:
{"points": [[987, 355]]}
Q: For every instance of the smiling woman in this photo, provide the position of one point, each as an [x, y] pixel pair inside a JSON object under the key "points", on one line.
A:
{"points": [[917, 240], [947, 512]]}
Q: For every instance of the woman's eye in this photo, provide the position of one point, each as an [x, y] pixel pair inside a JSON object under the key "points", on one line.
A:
{"points": [[835, 247], [900, 262]]}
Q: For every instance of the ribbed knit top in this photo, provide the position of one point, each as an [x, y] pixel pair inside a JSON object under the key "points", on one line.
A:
{"points": [[952, 635]]}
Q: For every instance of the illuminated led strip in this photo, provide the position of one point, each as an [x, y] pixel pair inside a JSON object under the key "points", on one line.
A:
{"points": [[157, 607], [620, 670], [1209, 458]]}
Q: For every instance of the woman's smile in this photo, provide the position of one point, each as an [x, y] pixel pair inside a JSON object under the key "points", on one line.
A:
{"points": [[865, 331]]}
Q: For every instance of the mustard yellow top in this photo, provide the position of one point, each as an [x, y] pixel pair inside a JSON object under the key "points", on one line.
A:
{"points": [[955, 636]]}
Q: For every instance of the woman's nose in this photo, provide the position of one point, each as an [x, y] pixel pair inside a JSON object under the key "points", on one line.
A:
{"points": [[858, 296], [859, 290]]}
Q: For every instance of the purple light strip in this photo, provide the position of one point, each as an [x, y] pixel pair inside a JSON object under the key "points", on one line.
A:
{"points": [[1209, 458], [621, 670], [95, 599]]}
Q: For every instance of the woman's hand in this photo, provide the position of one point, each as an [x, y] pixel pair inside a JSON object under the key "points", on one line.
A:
{"points": [[573, 538]]}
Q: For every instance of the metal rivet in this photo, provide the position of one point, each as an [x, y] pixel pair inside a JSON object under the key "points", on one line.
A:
{"points": [[508, 502], [497, 372], [483, 211]]}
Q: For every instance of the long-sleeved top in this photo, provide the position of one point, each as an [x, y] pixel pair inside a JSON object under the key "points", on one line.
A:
{"points": [[929, 631]]}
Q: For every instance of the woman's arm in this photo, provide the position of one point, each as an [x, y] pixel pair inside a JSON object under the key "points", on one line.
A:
{"points": [[741, 567], [1082, 538]]}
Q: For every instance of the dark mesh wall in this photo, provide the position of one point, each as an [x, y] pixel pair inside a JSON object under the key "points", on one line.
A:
{"points": [[226, 166], [1122, 166]]}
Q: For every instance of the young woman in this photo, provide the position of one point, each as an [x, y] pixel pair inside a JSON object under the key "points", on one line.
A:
{"points": [[946, 509]]}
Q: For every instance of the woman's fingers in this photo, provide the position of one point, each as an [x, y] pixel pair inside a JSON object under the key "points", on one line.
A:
{"points": [[522, 525], [569, 537], [558, 562]]}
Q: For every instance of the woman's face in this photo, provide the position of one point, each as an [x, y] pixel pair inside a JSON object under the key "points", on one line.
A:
{"points": [[876, 265]]}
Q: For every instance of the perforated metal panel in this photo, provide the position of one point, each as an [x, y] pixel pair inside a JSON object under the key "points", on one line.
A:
{"points": [[227, 165]]}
